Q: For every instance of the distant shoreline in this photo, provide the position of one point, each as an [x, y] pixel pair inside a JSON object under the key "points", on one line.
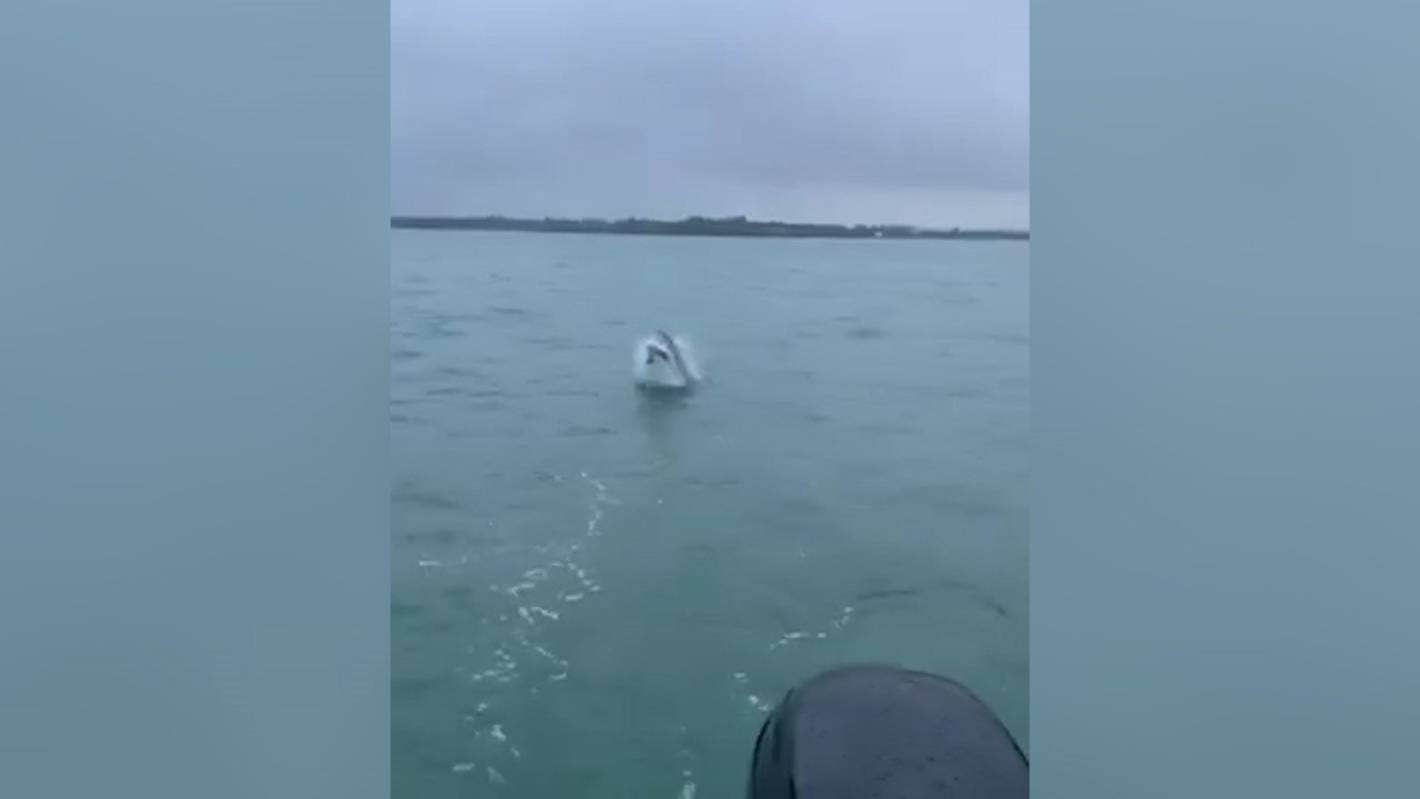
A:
{"points": [[738, 227]]}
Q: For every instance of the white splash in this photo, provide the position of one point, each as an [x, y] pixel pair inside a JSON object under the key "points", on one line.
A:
{"points": [[504, 670], [839, 623], [560, 663], [600, 500], [787, 638], [460, 768], [660, 373], [588, 584], [842, 621]]}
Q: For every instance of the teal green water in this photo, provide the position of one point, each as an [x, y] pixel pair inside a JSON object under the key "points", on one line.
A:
{"points": [[598, 593]]}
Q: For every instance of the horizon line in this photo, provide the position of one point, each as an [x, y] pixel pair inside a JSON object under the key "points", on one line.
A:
{"points": [[734, 219]]}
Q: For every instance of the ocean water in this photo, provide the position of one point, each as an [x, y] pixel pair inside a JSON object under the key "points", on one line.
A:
{"points": [[599, 592]]}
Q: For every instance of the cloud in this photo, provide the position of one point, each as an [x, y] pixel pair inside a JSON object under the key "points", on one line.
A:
{"points": [[904, 110]]}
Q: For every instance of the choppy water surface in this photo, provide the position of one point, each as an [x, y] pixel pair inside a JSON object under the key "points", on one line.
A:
{"points": [[598, 592]]}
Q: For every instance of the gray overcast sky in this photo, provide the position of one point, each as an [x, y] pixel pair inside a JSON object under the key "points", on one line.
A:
{"points": [[914, 111]]}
